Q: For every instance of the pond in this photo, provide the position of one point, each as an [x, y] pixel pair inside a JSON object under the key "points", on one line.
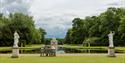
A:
{"points": [[62, 50]]}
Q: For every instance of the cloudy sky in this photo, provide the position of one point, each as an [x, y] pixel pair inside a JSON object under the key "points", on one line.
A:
{"points": [[56, 16]]}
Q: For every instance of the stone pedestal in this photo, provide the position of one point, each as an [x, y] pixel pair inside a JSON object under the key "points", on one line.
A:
{"points": [[15, 52], [111, 52]]}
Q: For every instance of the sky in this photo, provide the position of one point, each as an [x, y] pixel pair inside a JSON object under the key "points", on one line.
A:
{"points": [[55, 16]]}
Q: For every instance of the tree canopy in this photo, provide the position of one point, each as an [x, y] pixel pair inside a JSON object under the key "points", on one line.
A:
{"points": [[113, 19], [25, 27]]}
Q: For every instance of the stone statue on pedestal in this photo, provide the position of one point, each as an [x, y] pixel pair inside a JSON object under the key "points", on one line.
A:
{"points": [[54, 46], [16, 39], [111, 50], [15, 49]]}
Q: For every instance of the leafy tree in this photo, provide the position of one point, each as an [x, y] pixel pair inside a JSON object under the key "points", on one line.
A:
{"points": [[24, 25], [42, 33], [99, 26]]}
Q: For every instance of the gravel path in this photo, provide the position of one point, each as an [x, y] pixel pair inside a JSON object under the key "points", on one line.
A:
{"points": [[63, 54]]}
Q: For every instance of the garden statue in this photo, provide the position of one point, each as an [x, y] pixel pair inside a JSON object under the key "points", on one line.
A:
{"points": [[16, 39], [15, 49], [110, 35], [54, 46], [111, 50], [54, 43]]}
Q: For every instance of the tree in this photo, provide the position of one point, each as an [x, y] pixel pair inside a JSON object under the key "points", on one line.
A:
{"points": [[78, 29], [24, 25], [68, 37], [99, 26], [42, 33]]}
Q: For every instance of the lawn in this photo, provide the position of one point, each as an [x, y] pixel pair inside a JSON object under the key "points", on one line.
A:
{"points": [[77, 47], [63, 59], [67, 46]]}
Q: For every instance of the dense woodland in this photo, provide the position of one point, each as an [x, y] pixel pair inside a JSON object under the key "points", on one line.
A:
{"points": [[94, 29], [25, 27]]}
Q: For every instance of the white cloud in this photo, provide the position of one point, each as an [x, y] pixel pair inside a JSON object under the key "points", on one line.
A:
{"points": [[57, 15], [10, 6]]}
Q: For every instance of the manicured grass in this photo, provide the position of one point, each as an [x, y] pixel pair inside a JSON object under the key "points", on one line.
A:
{"points": [[92, 47], [68, 46], [63, 59], [29, 47], [5, 48], [35, 45], [78, 47]]}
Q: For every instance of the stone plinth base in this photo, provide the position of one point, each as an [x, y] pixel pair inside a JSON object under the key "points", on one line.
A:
{"points": [[15, 52], [111, 52]]}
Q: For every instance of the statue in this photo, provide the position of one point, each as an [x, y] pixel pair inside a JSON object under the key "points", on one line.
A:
{"points": [[54, 43], [16, 39], [54, 46], [110, 35], [111, 50], [15, 50]]}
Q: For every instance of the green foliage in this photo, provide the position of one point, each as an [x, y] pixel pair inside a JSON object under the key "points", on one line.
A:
{"points": [[47, 41], [99, 26], [24, 25], [60, 41], [91, 39], [68, 38], [42, 33]]}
